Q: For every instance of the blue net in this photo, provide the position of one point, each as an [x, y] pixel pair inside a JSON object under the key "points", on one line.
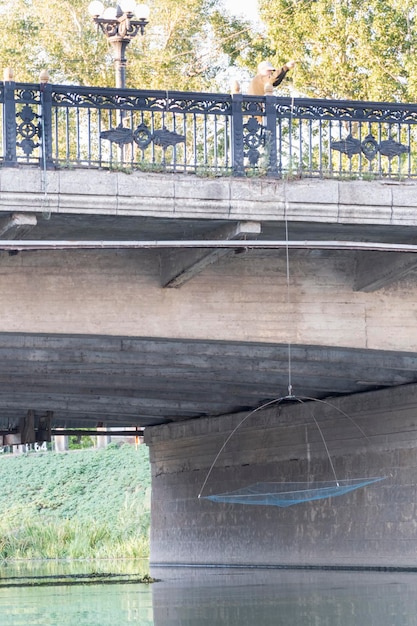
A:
{"points": [[287, 494]]}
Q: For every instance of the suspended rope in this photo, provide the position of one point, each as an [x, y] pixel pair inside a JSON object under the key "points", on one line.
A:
{"points": [[279, 493]]}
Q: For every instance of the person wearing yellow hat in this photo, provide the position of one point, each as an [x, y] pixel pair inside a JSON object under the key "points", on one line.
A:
{"points": [[268, 74]]}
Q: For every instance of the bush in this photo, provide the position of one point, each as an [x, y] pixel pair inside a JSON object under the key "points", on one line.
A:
{"points": [[81, 504]]}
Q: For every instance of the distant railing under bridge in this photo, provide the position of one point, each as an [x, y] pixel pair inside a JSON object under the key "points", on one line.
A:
{"points": [[55, 126]]}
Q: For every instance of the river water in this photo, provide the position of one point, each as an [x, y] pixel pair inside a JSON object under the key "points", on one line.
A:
{"points": [[208, 597]]}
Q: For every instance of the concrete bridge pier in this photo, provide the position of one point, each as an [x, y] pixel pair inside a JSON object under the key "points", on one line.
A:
{"points": [[374, 526]]}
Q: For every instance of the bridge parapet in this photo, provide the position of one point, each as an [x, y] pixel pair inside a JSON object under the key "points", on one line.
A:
{"points": [[213, 134]]}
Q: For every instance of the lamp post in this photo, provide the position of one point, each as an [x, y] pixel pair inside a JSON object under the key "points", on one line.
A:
{"points": [[120, 27]]}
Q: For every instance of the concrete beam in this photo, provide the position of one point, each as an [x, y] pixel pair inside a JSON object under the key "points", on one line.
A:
{"points": [[17, 225], [102, 432], [206, 244], [180, 266], [380, 269]]}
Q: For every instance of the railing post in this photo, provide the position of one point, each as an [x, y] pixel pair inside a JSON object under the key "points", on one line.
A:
{"points": [[271, 134], [237, 135], [46, 113], [9, 122]]}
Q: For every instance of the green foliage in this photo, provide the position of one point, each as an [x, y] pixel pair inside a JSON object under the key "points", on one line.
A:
{"points": [[80, 442], [237, 38], [61, 37], [346, 48], [343, 48], [81, 504]]}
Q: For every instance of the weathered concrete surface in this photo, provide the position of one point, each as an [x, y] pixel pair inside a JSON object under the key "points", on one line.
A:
{"points": [[242, 298], [373, 526], [85, 380], [185, 196]]}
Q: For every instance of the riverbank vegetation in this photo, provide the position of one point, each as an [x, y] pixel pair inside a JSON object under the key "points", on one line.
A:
{"points": [[80, 504]]}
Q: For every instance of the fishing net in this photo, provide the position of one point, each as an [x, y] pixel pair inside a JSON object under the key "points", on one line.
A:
{"points": [[287, 494]]}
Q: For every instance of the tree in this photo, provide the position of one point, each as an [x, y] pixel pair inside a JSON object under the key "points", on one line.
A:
{"points": [[172, 53], [239, 40], [346, 48], [60, 36]]}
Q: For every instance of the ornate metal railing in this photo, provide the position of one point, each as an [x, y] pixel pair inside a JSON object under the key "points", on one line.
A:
{"points": [[54, 126]]}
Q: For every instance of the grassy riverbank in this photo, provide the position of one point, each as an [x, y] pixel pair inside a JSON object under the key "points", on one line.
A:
{"points": [[79, 504]]}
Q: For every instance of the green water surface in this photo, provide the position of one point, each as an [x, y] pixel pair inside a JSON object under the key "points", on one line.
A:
{"points": [[206, 597]]}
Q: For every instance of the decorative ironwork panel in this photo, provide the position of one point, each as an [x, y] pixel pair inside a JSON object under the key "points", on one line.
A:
{"points": [[206, 133], [346, 110], [346, 138], [142, 136], [253, 140], [370, 147], [27, 101], [27, 94], [191, 129], [172, 101]]}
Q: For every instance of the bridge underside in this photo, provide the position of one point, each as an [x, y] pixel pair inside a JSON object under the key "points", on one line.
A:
{"points": [[85, 381], [100, 336]]}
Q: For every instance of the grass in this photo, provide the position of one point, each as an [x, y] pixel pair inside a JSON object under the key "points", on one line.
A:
{"points": [[78, 505]]}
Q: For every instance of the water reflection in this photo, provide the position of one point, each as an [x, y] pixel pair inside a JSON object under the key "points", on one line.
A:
{"points": [[80, 605], [283, 597], [77, 606], [194, 597], [34, 569]]}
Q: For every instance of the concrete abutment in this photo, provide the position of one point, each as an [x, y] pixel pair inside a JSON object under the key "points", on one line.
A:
{"points": [[374, 526]]}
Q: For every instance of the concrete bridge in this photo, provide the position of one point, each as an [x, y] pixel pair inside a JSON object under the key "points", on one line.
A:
{"points": [[93, 333], [178, 303]]}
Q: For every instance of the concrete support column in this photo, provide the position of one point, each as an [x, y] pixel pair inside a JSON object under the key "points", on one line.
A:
{"points": [[102, 441], [367, 435], [61, 443]]}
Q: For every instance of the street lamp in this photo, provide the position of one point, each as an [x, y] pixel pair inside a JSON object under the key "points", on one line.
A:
{"points": [[119, 26]]}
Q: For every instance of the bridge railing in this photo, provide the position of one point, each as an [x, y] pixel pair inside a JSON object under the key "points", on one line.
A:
{"points": [[52, 126]]}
